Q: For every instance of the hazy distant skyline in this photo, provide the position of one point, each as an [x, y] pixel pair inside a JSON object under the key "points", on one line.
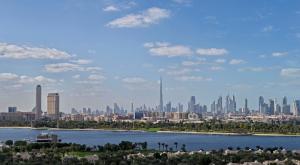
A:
{"points": [[98, 52]]}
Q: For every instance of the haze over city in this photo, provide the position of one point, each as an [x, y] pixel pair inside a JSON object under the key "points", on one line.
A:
{"points": [[95, 53]]}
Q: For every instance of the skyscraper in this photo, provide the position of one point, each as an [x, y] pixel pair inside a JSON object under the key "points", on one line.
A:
{"points": [[286, 109], [53, 105], [272, 107], [38, 102], [219, 105], [191, 104], [161, 104], [261, 104], [296, 108]]}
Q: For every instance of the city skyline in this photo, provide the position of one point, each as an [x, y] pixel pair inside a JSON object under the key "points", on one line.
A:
{"points": [[104, 52]]}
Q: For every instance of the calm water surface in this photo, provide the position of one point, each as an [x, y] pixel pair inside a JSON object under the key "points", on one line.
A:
{"points": [[192, 141]]}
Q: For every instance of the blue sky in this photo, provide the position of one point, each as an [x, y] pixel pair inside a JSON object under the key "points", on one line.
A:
{"points": [[98, 52]]}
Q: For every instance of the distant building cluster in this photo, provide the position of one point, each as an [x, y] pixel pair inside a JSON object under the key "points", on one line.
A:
{"points": [[221, 108], [37, 113]]}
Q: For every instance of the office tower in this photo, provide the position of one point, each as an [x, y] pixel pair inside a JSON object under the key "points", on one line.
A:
{"points": [[213, 107], [161, 104], [169, 107], [132, 110], [246, 109], [286, 109], [284, 101], [12, 109], [74, 111], [272, 107], [227, 104], [234, 103], [180, 107], [89, 111], [53, 105], [261, 104], [220, 105], [296, 108], [116, 109], [38, 102], [191, 104]]}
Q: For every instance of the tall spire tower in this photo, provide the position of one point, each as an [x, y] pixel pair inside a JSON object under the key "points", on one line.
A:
{"points": [[38, 102], [161, 104]]}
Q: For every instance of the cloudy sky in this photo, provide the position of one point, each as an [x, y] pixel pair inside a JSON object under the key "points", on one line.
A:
{"points": [[98, 52]]}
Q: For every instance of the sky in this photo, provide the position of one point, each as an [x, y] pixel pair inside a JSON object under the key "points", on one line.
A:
{"points": [[98, 52]]}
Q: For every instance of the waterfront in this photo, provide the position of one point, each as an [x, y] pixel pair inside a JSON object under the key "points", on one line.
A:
{"points": [[192, 141]]}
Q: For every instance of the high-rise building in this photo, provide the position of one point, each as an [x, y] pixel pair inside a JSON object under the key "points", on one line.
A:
{"points": [[234, 103], [246, 109], [191, 104], [284, 101], [161, 104], [286, 109], [168, 107], [180, 107], [219, 105], [261, 104], [132, 109], [272, 107], [296, 108], [213, 108], [38, 102], [53, 105]]}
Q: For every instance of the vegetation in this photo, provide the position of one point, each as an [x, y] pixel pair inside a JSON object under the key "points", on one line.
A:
{"points": [[206, 126], [126, 153]]}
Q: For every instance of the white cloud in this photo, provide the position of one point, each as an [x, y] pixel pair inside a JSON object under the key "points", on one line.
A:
{"points": [[193, 78], [290, 72], [82, 61], [212, 51], [220, 61], [178, 72], [192, 63], [216, 68], [92, 69], [38, 79], [77, 76], [65, 67], [111, 8], [268, 28], [95, 77], [61, 67], [8, 76], [23, 79], [279, 54], [150, 16], [252, 69], [133, 80], [26, 52], [166, 49], [236, 61]]}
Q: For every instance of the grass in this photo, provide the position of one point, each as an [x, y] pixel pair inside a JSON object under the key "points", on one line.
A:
{"points": [[152, 129]]}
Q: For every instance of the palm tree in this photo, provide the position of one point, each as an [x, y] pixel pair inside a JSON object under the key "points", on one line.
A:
{"points": [[163, 145], [183, 147], [176, 144], [159, 146], [166, 147]]}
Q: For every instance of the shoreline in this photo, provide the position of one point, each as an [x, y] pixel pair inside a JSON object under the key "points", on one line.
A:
{"points": [[174, 132]]}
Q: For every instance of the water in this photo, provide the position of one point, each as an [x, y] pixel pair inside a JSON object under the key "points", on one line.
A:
{"points": [[192, 141]]}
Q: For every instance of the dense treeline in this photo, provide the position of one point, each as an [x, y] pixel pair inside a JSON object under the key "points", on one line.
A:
{"points": [[206, 126], [126, 153]]}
